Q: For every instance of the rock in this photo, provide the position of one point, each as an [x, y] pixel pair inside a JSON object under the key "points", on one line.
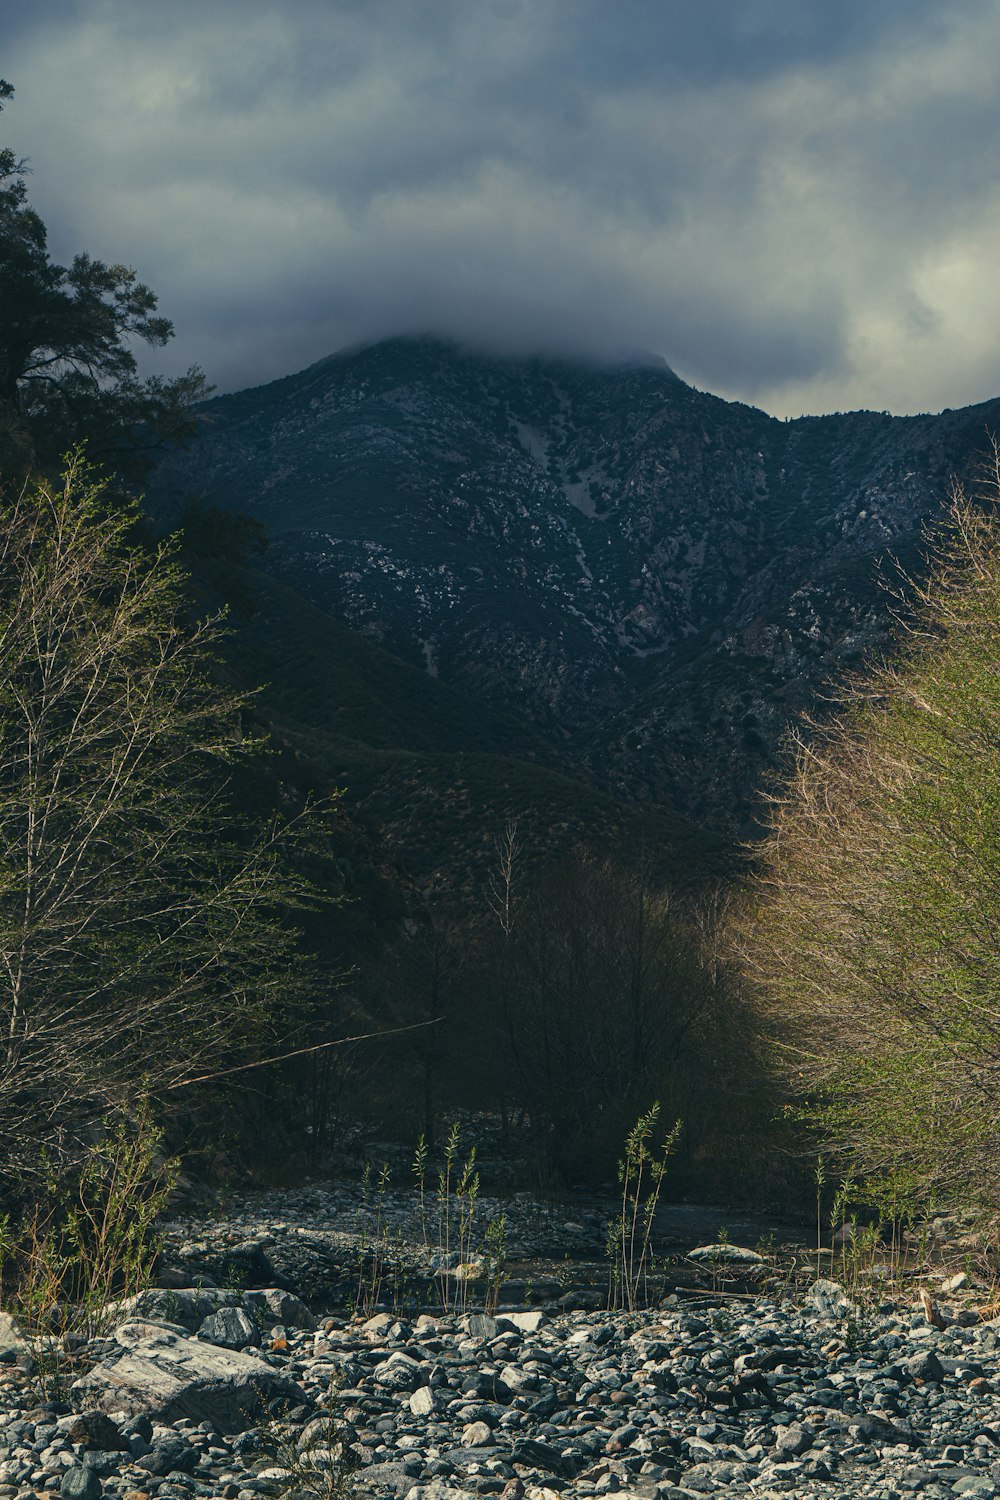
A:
{"points": [[724, 1253], [169, 1455], [80, 1483], [230, 1328], [524, 1322], [925, 1366], [954, 1283], [376, 1328], [96, 1433], [423, 1401], [517, 1381], [829, 1299], [280, 1307], [171, 1377], [11, 1342]]}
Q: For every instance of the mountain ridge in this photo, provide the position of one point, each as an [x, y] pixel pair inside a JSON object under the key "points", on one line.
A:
{"points": [[654, 581]]}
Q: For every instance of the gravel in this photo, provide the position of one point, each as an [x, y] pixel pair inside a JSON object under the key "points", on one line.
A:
{"points": [[759, 1395]]}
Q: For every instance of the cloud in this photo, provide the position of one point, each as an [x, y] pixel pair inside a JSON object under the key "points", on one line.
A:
{"points": [[796, 205]]}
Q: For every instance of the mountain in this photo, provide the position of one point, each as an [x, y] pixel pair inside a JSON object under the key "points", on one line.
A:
{"points": [[599, 571]]}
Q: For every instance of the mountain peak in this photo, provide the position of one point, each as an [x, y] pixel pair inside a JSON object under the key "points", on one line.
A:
{"points": [[403, 349], [653, 579]]}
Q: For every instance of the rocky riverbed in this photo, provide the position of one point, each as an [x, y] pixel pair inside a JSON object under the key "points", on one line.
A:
{"points": [[243, 1390]]}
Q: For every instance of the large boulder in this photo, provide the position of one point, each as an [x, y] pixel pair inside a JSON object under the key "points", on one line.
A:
{"points": [[168, 1376], [273, 1305], [187, 1306], [190, 1306]]}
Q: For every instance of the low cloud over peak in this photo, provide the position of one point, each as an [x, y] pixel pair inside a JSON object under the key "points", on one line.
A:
{"points": [[793, 205]]}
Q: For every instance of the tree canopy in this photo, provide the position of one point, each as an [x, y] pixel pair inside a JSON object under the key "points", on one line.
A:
{"points": [[876, 935], [67, 369]]}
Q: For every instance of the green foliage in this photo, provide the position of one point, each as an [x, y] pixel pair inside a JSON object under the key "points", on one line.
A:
{"points": [[875, 937], [315, 1462], [89, 1241], [66, 369], [640, 1174]]}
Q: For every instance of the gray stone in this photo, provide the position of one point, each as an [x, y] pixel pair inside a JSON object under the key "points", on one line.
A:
{"points": [[725, 1253], [171, 1377], [524, 1322], [423, 1401], [518, 1380], [80, 1483], [170, 1455], [230, 1328], [829, 1299]]}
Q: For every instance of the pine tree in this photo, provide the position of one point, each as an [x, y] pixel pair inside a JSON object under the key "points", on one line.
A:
{"points": [[67, 371]]}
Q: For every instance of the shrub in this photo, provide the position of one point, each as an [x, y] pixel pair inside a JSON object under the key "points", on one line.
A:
{"points": [[875, 937]]}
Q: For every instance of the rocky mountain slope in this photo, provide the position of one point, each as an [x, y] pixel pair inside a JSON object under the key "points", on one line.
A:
{"points": [[651, 581]]}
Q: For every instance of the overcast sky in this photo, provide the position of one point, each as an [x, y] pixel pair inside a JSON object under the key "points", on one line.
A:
{"points": [[796, 202]]}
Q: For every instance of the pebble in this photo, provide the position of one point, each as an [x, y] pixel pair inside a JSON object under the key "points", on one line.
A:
{"points": [[761, 1396]]}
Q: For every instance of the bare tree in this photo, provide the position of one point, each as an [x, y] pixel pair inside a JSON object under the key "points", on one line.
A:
{"points": [[140, 928], [603, 995]]}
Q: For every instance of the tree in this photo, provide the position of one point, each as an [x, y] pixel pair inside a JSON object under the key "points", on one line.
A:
{"points": [[875, 936], [143, 925], [66, 369], [602, 994]]}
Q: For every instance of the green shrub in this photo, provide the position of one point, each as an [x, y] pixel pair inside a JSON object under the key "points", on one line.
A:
{"points": [[875, 938]]}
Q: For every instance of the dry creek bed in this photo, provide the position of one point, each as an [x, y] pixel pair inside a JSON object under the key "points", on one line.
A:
{"points": [[246, 1375]]}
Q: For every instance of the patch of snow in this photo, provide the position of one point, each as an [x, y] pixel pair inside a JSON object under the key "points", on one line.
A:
{"points": [[429, 661], [579, 496], [533, 442]]}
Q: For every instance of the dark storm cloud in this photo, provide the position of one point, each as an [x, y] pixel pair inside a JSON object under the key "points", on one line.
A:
{"points": [[795, 204]]}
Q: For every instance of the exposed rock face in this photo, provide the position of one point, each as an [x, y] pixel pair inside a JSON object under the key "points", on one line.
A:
{"points": [[168, 1376], [656, 579]]}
